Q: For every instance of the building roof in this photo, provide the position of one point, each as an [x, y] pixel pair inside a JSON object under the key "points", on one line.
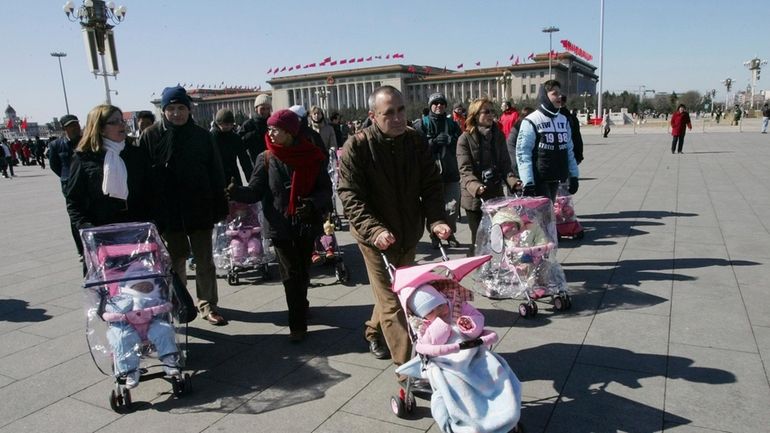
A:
{"points": [[10, 110], [399, 68]]}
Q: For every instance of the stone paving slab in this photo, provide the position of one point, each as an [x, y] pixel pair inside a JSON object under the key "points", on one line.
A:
{"points": [[668, 331]]}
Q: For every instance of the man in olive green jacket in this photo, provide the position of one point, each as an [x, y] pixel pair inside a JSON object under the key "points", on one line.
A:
{"points": [[390, 188]]}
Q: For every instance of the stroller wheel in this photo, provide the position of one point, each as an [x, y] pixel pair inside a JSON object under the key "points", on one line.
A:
{"points": [[397, 406], [568, 302], [411, 403], [533, 309], [559, 304], [232, 279], [579, 234], [177, 387], [341, 272], [126, 400], [116, 401], [187, 383], [524, 310]]}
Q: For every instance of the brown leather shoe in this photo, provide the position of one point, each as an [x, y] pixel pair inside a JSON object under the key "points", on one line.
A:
{"points": [[215, 319]]}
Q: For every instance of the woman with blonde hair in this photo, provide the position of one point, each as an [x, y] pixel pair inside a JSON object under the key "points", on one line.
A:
{"points": [[320, 125], [109, 181], [484, 163]]}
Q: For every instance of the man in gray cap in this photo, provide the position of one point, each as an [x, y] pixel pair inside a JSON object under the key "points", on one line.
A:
{"points": [[253, 131], [59, 157], [442, 134]]}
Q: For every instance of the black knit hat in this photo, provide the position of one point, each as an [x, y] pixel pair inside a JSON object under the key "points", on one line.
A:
{"points": [[174, 95]]}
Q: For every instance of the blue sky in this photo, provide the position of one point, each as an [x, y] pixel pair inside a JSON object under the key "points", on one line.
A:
{"points": [[664, 45]]}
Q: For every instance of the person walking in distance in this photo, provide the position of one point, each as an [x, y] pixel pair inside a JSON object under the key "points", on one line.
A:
{"points": [[680, 122]]}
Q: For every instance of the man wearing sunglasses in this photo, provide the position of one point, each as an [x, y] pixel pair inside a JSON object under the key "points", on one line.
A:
{"points": [[442, 134]]}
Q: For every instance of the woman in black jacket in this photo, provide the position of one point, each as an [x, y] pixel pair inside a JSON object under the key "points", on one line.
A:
{"points": [[291, 181], [484, 163], [109, 181], [231, 148]]}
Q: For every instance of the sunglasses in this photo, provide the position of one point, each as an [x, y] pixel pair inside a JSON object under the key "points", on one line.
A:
{"points": [[116, 122]]}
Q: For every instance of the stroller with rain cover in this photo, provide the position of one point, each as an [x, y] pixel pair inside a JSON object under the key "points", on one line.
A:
{"points": [[238, 244], [520, 234], [132, 311], [567, 224], [473, 388]]}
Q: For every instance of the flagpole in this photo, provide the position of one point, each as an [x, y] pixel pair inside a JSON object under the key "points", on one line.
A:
{"points": [[601, 59]]}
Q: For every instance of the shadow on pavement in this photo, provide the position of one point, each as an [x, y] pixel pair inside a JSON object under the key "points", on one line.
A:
{"points": [[586, 378], [16, 310]]}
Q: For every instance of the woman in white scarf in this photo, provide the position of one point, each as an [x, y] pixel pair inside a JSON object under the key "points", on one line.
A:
{"points": [[109, 181]]}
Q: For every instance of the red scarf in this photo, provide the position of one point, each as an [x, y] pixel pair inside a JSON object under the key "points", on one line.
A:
{"points": [[305, 159]]}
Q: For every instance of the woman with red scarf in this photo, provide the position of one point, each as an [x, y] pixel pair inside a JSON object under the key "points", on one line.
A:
{"points": [[291, 181]]}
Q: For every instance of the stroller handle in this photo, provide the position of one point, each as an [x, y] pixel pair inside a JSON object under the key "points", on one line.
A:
{"points": [[487, 338], [391, 269]]}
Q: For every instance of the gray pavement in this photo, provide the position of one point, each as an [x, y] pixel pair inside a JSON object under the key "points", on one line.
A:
{"points": [[669, 330]]}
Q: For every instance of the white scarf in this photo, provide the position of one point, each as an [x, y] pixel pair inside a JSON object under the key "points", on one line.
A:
{"points": [[115, 183]]}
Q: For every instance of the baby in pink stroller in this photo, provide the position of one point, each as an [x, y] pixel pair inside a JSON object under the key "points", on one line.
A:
{"points": [[474, 389], [567, 224], [238, 245]]}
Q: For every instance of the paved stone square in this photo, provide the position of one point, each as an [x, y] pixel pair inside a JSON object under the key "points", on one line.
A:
{"points": [[669, 329]]}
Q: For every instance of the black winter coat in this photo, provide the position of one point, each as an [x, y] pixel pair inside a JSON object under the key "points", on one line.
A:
{"points": [[187, 173], [271, 186], [252, 132], [87, 205], [232, 151]]}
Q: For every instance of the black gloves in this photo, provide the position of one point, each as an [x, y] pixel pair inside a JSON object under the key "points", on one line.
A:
{"points": [[306, 210], [441, 140], [529, 190], [573, 185]]}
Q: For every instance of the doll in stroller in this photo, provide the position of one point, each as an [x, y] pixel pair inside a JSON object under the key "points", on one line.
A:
{"points": [[238, 243], [326, 250], [130, 304], [567, 224], [521, 234], [473, 389]]}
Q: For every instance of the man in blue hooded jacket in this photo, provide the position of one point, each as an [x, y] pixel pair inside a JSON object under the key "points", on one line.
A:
{"points": [[544, 148]]}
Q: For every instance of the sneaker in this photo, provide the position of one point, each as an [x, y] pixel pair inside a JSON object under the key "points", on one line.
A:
{"points": [[377, 349], [315, 258], [215, 319], [330, 254], [132, 379], [171, 365]]}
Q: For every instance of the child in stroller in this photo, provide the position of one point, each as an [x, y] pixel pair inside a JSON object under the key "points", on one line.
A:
{"points": [[567, 224], [521, 233], [238, 245], [131, 306], [326, 250], [474, 389]]}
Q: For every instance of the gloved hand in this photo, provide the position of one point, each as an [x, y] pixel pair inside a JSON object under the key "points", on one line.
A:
{"points": [[230, 189], [306, 210], [573, 185], [441, 140], [529, 190]]}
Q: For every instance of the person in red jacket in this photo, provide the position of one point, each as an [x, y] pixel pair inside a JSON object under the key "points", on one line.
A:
{"points": [[458, 115], [508, 118], [679, 121]]}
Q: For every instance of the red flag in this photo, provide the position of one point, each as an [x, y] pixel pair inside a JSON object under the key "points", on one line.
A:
{"points": [[312, 65], [398, 55], [291, 68], [553, 54], [353, 60], [297, 66], [268, 71], [360, 59], [378, 57], [283, 69], [24, 124], [478, 63], [388, 56], [369, 59], [511, 57], [343, 61], [531, 56], [427, 69], [410, 69], [333, 63], [9, 125], [517, 61], [460, 66], [497, 63], [327, 60]]}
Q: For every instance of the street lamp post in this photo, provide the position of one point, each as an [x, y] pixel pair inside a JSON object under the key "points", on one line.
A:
{"points": [[754, 65], [97, 19], [585, 96], [504, 81], [550, 30], [728, 82], [61, 72]]}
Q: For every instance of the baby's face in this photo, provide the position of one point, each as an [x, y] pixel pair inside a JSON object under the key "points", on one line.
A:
{"points": [[441, 311]]}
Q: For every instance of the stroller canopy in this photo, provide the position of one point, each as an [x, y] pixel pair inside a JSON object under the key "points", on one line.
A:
{"points": [[414, 276]]}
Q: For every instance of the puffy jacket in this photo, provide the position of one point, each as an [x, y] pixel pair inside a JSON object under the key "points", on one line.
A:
{"points": [[187, 172], [680, 121], [232, 151], [390, 184], [60, 156], [432, 126], [474, 156], [507, 120]]}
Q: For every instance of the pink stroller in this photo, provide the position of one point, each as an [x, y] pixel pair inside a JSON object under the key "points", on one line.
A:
{"points": [[238, 244], [567, 224], [452, 351], [521, 234], [133, 315]]}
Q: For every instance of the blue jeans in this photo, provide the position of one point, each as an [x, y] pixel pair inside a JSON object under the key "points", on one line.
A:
{"points": [[765, 121], [127, 346]]}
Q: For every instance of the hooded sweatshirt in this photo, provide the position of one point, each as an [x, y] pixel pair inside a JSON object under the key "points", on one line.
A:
{"points": [[544, 148]]}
